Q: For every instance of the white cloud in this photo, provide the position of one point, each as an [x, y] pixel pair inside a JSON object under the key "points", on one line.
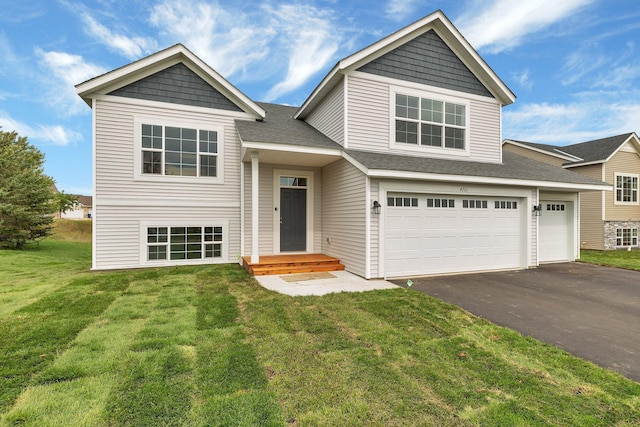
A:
{"points": [[595, 67], [131, 47], [524, 79], [572, 122], [316, 44], [399, 10], [66, 70], [293, 41], [43, 134], [503, 24], [222, 37]]}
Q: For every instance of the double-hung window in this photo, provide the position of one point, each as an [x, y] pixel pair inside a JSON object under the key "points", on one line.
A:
{"points": [[627, 237], [626, 189], [179, 151], [430, 122]]}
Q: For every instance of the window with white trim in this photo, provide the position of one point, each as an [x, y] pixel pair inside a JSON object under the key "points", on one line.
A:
{"points": [[184, 243], [430, 122], [179, 151], [626, 189], [627, 237]]}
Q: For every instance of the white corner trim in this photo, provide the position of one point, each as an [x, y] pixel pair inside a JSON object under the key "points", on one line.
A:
{"points": [[96, 201]]}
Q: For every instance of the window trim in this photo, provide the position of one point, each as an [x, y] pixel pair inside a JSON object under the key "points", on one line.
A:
{"points": [[615, 189], [144, 225], [427, 149], [138, 121], [631, 237]]}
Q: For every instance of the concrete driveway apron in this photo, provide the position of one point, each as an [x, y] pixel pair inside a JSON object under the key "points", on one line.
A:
{"points": [[590, 311]]}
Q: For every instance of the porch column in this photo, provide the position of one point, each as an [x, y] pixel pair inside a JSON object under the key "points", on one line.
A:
{"points": [[255, 200]]}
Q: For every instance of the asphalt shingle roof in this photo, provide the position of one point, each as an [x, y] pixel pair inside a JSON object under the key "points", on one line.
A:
{"points": [[280, 127], [514, 166], [597, 150]]}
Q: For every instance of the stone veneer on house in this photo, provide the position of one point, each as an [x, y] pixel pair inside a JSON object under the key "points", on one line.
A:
{"points": [[610, 228]]}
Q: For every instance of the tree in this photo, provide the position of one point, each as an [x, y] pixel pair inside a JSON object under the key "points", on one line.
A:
{"points": [[65, 202], [26, 196]]}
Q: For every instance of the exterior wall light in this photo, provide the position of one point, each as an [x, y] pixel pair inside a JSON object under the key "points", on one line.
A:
{"points": [[376, 207], [537, 209]]}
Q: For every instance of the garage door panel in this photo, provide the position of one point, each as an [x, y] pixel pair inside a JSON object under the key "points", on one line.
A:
{"points": [[458, 239], [554, 234]]}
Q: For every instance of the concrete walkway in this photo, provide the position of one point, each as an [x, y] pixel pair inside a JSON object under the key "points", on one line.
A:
{"points": [[321, 283], [592, 312]]}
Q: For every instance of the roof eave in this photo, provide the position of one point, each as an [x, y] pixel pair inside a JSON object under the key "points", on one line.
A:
{"points": [[563, 156]]}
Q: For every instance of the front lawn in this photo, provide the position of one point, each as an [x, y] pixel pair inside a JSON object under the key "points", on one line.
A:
{"points": [[200, 346], [621, 259]]}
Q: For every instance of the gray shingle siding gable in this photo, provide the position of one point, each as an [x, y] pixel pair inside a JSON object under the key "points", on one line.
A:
{"points": [[427, 60], [177, 85]]}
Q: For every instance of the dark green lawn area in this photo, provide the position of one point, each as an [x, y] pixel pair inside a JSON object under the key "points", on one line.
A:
{"points": [[621, 259], [205, 346]]}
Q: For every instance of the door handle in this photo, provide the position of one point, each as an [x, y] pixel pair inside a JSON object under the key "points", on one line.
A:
{"points": [[280, 220]]}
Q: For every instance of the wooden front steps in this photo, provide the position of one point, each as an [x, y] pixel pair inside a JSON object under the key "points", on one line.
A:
{"points": [[291, 264]]}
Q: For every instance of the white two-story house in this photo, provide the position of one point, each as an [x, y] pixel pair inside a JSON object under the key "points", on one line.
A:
{"points": [[393, 164]]}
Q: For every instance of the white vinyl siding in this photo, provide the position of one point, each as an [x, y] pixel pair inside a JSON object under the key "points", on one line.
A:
{"points": [[369, 121], [267, 208], [121, 202], [119, 239], [115, 156], [368, 115], [344, 218], [328, 116]]}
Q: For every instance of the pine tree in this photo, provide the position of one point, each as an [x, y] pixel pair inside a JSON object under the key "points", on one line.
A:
{"points": [[26, 196]]}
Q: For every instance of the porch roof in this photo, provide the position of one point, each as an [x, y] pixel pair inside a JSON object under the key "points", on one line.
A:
{"points": [[279, 127]]}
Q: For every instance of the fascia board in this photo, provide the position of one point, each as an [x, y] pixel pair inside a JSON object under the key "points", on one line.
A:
{"points": [[575, 165], [274, 146], [379, 173], [563, 156]]}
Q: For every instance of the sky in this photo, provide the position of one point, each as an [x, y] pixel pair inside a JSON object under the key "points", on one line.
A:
{"points": [[574, 65]]}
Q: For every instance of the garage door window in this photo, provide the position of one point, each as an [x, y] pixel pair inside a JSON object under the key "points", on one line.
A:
{"points": [[506, 204], [555, 206], [402, 202], [441, 203], [475, 204]]}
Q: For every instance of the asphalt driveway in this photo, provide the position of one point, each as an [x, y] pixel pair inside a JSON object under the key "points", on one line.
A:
{"points": [[592, 312]]}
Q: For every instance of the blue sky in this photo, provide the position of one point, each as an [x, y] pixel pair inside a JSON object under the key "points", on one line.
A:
{"points": [[573, 64]]}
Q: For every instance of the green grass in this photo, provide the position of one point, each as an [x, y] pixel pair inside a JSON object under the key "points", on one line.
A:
{"points": [[621, 259], [205, 345]]}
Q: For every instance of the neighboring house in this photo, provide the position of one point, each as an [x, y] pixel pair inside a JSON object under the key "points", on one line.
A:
{"points": [[608, 219], [393, 164], [83, 209]]}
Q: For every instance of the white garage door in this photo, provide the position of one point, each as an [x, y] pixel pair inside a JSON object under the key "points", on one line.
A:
{"points": [[432, 234], [555, 231]]}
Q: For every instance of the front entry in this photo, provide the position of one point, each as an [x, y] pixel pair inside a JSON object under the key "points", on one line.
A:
{"points": [[293, 219]]}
